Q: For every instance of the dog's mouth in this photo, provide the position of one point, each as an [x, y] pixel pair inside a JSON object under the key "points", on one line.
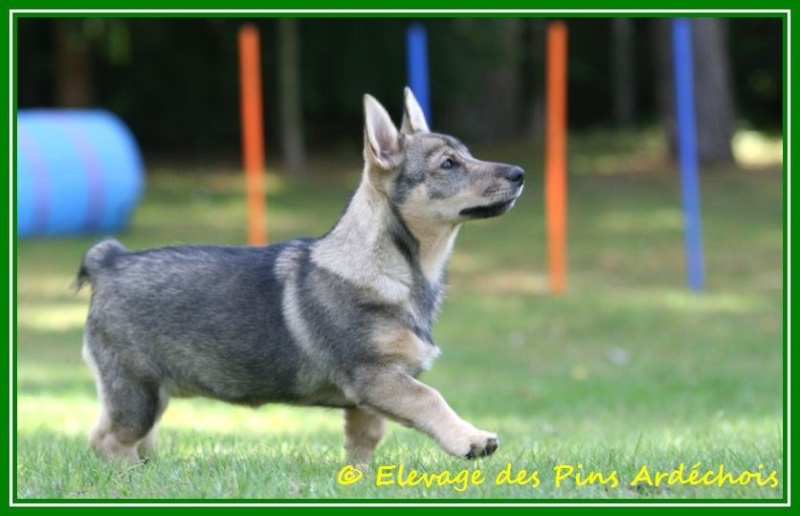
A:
{"points": [[488, 210]]}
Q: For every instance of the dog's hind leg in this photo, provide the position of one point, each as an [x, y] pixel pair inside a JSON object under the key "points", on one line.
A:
{"points": [[127, 419], [108, 444], [148, 443], [129, 408], [363, 430]]}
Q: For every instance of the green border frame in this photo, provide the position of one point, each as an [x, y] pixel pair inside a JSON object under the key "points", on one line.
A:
{"points": [[416, 8]]}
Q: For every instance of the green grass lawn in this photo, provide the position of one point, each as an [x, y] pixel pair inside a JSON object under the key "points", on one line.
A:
{"points": [[627, 370]]}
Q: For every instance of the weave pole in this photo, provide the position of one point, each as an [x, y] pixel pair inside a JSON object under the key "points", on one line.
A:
{"points": [[687, 150], [417, 66], [556, 157], [252, 115]]}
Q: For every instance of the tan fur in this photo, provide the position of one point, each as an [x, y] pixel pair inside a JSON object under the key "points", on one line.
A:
{"points": [[109, 446], [359, 251], [362, 430], [400, 346], [413, 403], [435, 244]]}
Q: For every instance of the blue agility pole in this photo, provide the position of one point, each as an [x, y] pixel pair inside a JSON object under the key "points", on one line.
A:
{"points": [[687, 149], [417, 60]]}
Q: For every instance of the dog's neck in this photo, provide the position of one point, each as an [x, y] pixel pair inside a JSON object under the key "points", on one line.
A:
{"points": [[383, 251], [435, 245]]}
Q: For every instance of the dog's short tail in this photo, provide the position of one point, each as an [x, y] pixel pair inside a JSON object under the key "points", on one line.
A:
{"points": [[94, 259]]}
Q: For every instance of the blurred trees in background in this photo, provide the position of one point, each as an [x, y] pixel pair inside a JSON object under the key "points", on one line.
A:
{"points": [[174, 81]]}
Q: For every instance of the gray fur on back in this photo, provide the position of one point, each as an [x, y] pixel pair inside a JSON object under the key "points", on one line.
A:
{"points": [[211, 321]]}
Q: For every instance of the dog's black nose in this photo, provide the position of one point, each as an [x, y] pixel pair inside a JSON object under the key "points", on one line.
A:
{"points": [[515, 174]]}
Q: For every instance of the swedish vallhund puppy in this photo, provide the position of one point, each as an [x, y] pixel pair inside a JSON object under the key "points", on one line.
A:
{"points": [[342, 321]]}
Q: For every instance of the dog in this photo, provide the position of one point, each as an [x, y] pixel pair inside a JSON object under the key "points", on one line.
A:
{"points": [[342, 321]]}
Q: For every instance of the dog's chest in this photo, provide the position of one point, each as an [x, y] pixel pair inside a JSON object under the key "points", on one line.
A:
{"points": [[404, 347]]}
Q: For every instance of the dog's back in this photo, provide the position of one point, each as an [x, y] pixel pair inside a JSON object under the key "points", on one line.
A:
{"points": [[204, 321]]}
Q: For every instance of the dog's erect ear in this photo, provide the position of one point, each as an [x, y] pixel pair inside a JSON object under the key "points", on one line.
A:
{"points": [[381, 140], [413, 117]]}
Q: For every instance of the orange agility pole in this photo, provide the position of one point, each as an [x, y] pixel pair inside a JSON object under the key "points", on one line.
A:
{"points": [[556, 156], [252, 133]]}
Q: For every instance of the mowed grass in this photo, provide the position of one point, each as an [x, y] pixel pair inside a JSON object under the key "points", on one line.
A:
{"points": [[626, 370]]}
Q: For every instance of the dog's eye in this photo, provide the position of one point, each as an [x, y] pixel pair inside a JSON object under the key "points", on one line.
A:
{"points": [[448, 163]]}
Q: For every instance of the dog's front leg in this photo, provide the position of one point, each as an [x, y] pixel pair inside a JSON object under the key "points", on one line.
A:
{"points": [[362, 431], [405, 399]]}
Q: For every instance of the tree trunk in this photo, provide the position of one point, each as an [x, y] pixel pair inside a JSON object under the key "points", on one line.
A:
{"points": [[533, 63], [291, 107], [483, 99], [502, 103], [662, 45], [622, 58], [73, 65], [713, 96], [713, 101]]}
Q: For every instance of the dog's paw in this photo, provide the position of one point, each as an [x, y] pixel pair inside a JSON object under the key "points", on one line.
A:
{"points": [[471, 443], [484, 447]]}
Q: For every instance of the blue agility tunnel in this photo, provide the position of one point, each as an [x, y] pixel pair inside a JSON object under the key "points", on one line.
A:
{"points": [[78, 172]]}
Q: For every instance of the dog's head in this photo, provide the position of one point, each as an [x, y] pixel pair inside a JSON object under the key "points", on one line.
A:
{"points": [[432, 177]]}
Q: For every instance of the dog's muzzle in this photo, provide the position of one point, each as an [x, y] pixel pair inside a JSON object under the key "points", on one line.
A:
{"points": [[514, 175]]}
